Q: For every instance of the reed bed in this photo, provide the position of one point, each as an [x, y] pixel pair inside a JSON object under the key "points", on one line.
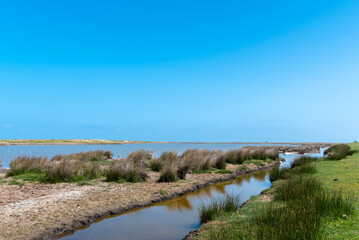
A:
{"points": [[86, 165], [97, 155]]}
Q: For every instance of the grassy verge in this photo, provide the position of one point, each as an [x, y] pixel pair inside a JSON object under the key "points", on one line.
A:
{"points": [[316, 199]]}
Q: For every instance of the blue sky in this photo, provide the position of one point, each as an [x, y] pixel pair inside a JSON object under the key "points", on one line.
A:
{"points": [[180, 70]]}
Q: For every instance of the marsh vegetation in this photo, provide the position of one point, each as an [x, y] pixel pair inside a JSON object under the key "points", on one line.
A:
{"points": [[85, 166], [300, 207]]}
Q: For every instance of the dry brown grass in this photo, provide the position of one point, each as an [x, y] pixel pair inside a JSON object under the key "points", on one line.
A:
{"points": [[125, 170], [62, 171], [22, 164], [140, 158], [85, 156]]}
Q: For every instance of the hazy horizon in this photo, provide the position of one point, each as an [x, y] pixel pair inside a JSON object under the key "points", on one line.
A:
{"points": [[233, 71]]}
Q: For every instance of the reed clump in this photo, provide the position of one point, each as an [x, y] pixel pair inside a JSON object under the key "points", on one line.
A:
{"points": [[156, 164], [140, 157], [168, 173], [299, 166], [22, 164], [61, 171], [304, 160], [125, 171], [208, 212], [97, 155], [169, 168]]}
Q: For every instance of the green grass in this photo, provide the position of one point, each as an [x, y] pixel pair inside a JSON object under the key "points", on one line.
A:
{"points": [[162, 192], [205, 171], [14, 182], [30, 177], [243, 168], [217, 207], [221, 171], [255, 162], [347, 173], [308, 204], [83, 183], [2, 181]]}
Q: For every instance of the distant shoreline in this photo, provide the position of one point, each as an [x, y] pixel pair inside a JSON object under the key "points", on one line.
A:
{"points": [[7, 142]]}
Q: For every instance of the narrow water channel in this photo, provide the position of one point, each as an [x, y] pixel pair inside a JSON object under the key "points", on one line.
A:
{"points": [[173, 219]]}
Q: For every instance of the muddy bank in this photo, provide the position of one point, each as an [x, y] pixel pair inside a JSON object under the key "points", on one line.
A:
{"points": [[44, 211]]}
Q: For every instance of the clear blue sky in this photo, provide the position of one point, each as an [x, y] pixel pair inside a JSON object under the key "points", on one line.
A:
{"points": [[180, 70]]}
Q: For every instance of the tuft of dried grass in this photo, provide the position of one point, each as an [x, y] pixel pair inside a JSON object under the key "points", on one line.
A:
{"points": [[62, 171], [140, 158], [125, 170]]}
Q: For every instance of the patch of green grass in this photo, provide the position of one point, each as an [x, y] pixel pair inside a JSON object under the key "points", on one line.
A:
{"points": [[243, 168], [30, 177], [2, 181], [223, 171], [162, 192], [255, 162], [205, 171], [14, 182], [83, 183], [105, 163]]}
